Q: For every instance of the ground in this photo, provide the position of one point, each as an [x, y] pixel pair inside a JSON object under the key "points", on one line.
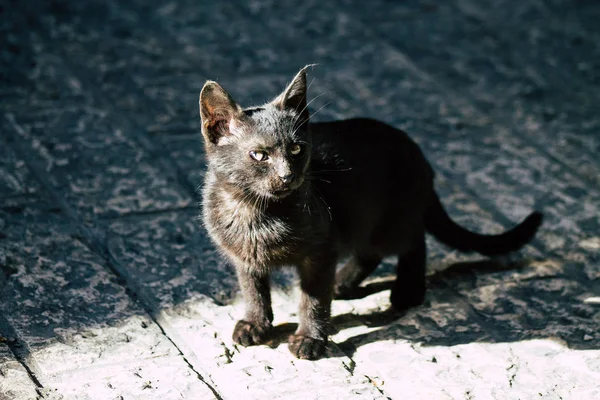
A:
{"points": [[110, 289]]}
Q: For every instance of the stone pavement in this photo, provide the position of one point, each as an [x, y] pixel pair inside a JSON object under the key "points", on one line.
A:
{"points": [[109, 288]]}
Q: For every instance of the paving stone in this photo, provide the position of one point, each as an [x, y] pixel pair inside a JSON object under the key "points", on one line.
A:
{"points": [[142, 45], [94, 162], [443, 350], [554, 28], [62, 298], [15, 60], [517, 184], [69, 312], [15, 178], [239, 49], [157, 378], [482, 370], [548, 307], [316, 32], [187, 151], [29, 73], [564, 99], [100, 171], [15, 383], [514, 179], [175, 91]]}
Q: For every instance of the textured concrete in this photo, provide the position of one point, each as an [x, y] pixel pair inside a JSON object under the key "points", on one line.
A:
{"points": [[109, 288]]}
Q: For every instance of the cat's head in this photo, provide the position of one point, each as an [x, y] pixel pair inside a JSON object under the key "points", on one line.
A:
{"points": [[263, 151]]}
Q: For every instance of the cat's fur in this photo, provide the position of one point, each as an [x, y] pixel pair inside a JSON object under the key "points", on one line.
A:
{"points": [[358, 188]]}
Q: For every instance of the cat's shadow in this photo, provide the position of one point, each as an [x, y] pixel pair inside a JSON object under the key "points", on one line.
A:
{"points": [[463, 273], [281, 332]]}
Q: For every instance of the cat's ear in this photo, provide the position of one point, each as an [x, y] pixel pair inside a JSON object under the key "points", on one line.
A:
{"points": [[220, 114], [294, 96]]}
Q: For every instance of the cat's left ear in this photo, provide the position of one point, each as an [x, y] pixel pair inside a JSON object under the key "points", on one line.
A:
{"points": [[221, 116], [294, 96]]}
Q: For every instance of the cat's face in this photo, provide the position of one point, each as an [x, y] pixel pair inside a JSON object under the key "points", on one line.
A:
{"points": [[263, 151], [268, 155]]}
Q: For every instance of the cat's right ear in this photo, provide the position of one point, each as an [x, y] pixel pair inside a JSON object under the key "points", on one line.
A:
{"points": [[219, 113]]}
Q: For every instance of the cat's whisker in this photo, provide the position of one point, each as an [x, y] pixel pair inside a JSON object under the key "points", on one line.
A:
{"points": [[297, 125], [310, 84], [310, 102], [257, 201], [320, 196], [247, 198], [308, 118], [300, 126], [310, 176], [253, 198], [332, 170], [320, 108], [299, 114], [264, 204], [296, 130], [260, 202]]}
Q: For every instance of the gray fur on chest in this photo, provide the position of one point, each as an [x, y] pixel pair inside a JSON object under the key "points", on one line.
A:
{"points": [[245, 233]]}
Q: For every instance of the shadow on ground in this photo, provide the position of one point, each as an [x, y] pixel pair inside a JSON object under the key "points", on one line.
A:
{"points": [[518, 310]]}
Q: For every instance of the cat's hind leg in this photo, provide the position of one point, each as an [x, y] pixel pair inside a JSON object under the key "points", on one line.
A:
{"points": [[356, 270], [410, 285]]}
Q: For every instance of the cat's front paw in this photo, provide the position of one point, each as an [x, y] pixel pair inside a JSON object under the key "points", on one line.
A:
{"points": [[307, 348], [250, 334]]}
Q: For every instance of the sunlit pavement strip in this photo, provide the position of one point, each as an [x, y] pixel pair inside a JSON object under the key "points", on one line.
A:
{"points": [[109, 288]]}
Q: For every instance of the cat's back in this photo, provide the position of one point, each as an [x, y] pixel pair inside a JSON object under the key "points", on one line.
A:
{"points": [[368, 145], [372, 175]]}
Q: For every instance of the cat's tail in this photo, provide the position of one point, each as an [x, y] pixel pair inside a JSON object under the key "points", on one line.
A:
{"points": [[439, 224]]}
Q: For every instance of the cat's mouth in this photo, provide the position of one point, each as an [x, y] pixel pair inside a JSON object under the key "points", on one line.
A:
{"points": [[281, 193]]}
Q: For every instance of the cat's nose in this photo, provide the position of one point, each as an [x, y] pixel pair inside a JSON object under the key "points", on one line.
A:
{"points": [[287, 179]]}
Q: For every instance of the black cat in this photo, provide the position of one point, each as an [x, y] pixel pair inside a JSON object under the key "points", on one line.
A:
{"points": [[282, 191]]}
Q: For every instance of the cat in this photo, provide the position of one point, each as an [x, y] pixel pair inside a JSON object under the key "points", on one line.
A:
{"points": [[280, 191]]}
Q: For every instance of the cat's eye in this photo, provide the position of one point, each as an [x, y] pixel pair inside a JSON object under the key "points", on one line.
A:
{"points": [[259, 155], [295, 149]]}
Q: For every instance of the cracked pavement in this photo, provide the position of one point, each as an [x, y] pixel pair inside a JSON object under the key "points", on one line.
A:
{"points": [[110, 289]]}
